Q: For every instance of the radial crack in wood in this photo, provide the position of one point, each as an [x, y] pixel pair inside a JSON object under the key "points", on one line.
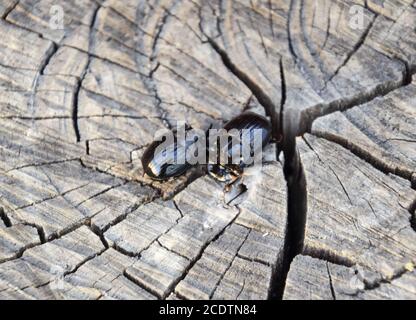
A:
{"points": [[84, 93]]}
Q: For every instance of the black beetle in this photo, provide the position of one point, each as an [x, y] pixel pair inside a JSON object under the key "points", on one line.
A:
{"points": [[250, 122], [161, 165]]}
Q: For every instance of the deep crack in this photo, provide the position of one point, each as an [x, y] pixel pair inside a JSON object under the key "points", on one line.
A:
{"points": [[260, 95], [350, 54], [365, 155], [79, 84], [5, 218], [331, 285]]}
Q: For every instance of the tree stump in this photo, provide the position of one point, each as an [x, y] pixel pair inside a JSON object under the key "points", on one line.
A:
{"points": [[84, 87]]}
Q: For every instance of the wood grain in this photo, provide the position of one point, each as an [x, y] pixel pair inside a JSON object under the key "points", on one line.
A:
{"points": [[82, 99]]}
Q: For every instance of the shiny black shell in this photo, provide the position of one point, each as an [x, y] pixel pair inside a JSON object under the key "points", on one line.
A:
{"points": [[155, 166], [249, 121]]}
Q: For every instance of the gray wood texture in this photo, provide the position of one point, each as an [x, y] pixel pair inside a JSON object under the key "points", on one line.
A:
{"points": [[332, 216]]}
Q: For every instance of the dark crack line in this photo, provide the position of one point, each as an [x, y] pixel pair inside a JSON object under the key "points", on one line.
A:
{"points": [[408, 70], [67, 201], [97, 231], [364, 155], [95, 56], [200, 253], [20, 252], [90, 54], [152, 86], [242, 289], [51, 198], [328, 27], [400, 139], [270, 7], [331, 285], [350, 54], [87, 148], [96, 169], [260, 95], [7, 12], [16, 69], [264, 263], [48, 59], [229, 266], [101, 193], [172, 287], [128, 211], [330, 168], [154, 70], [249, 54], [83, 222], [74, 115], [371, 207], [282, 104], [5, 218], [107, 97], [375, 12], [327, 255], [296, 216], [199, 111], [155, 240], [42, 164], [54, 236], [290, 18], [342, 104], [140, 284], [164, 247], [125, 252], [64, 274], [159, 31], [178, 208], [51, 52], [342, 185], [75, 107], [79, 265], [412, 211], [40, 231]]}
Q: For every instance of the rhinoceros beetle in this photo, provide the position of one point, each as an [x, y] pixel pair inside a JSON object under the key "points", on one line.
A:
{"points": [[161, 163], [157, 167]]}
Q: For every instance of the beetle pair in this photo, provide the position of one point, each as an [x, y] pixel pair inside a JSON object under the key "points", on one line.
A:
{"points": [[253, 132]]}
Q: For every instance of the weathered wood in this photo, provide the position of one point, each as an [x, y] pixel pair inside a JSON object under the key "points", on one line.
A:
{"points": [[311, 278], [16, 238], [41, 265], [82, 99], [105, 273], [361, 221], [6, 6], [382, 131], [362, 202]]}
